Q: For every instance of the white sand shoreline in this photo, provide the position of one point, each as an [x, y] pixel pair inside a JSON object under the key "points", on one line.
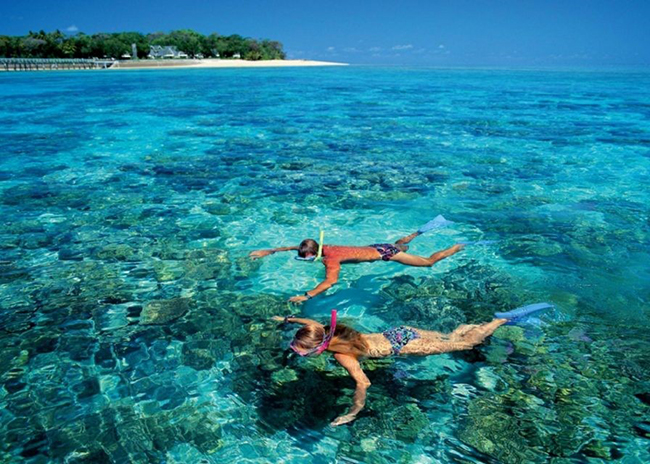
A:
{"points": [[212, 63]]}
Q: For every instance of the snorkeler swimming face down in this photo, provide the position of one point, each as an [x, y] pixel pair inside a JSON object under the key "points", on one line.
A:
{"points": [[333, 256], [348, 346], [308, 248]]}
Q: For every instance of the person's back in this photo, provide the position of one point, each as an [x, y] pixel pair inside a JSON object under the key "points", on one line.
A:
{"points": [[350, 254]]}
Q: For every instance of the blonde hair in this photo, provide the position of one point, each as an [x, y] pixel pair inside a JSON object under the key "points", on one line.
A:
{"points": [[346, 339]]}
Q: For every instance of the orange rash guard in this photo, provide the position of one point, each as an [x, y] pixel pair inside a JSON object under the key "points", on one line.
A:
{"points": [[348, 254], [334, 256]]}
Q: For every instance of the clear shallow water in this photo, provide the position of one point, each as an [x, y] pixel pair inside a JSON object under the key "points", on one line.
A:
{"points": [[134, 328]]}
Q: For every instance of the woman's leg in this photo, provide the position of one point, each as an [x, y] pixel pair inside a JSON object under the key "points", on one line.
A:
{"points": [[419, 261], [457, 335], [461, 330], [478, 333], [464, 337]]}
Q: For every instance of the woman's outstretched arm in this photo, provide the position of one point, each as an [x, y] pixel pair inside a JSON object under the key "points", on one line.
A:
{"points": [[257, 254], [353, 367], [296, 320]]}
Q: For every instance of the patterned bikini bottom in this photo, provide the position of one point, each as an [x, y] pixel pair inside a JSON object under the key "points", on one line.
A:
{"points": [[399, 337], [386, 250]]}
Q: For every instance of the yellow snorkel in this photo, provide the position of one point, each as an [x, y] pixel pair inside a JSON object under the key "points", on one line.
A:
{"points": [[319, 255], [320, 245]]}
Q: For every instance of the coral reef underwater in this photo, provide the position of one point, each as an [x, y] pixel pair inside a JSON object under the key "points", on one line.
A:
{"points": [[135, 329]]}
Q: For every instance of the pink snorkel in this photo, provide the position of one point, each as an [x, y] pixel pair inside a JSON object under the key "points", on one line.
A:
{"points": [[324, 344]]}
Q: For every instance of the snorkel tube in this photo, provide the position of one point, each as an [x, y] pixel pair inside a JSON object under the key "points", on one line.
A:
{"points": [[320, 250], [323, 345]]}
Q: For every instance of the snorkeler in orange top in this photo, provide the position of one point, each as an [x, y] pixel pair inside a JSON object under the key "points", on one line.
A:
{"points": [[335, 255]]}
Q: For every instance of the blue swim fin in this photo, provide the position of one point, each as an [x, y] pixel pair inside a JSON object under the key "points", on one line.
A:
{"points": [[436, 223], [520, 313]]}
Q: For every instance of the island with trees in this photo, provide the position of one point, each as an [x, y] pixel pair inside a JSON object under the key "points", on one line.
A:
{"points": [[119, 45]]}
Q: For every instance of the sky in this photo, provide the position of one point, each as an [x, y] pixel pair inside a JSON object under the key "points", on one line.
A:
{"points": [[410, 32]]}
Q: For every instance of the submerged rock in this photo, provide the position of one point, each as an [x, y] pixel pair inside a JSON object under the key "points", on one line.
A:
{"points": [[487, 379], [471, 294], [644, 397], [286, 218], [168, 270], [119, 252], [438, 314], [244, 267], [217, 209], [202, 355], [404, 287], [642, 429], [163, 311], [35, 240], [71, 254], [284, 376], [407, 422], [9, 272], [88, 456], [531, 246]]}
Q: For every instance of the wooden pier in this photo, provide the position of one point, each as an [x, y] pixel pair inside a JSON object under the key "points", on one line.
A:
{"points": [[52, 64]]}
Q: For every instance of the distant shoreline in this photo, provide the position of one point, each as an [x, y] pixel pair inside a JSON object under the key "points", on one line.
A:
{"points": [[214, 63], [36, 64]]}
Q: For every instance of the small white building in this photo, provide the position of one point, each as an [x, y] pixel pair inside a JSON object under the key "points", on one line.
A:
{"points": [[160, 52], [237, 56]]}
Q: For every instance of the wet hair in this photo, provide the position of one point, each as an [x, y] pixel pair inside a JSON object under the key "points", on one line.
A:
{"points": [[345, 340], [308, 247]]}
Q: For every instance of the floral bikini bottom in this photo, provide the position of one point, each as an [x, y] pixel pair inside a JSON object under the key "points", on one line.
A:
{"points": [[399, 337]]}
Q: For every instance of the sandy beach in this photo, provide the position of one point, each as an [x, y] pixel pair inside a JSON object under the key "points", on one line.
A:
{"points": [[212, 63]]}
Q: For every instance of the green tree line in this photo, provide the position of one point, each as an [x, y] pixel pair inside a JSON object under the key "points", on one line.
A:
{"points": [[59, 45]]}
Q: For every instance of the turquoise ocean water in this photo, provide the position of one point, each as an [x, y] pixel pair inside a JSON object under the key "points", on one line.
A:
{"points": [[134, 328]]}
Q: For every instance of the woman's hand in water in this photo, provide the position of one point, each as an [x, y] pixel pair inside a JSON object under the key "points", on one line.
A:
{"points": [[298, 299], [343, 419], [257, 254]]}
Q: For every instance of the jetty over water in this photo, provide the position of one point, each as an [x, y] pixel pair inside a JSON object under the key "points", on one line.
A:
{"points": [[52, 64]]}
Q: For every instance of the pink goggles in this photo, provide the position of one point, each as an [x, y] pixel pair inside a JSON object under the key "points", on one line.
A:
{"points": [[323, 345]]}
